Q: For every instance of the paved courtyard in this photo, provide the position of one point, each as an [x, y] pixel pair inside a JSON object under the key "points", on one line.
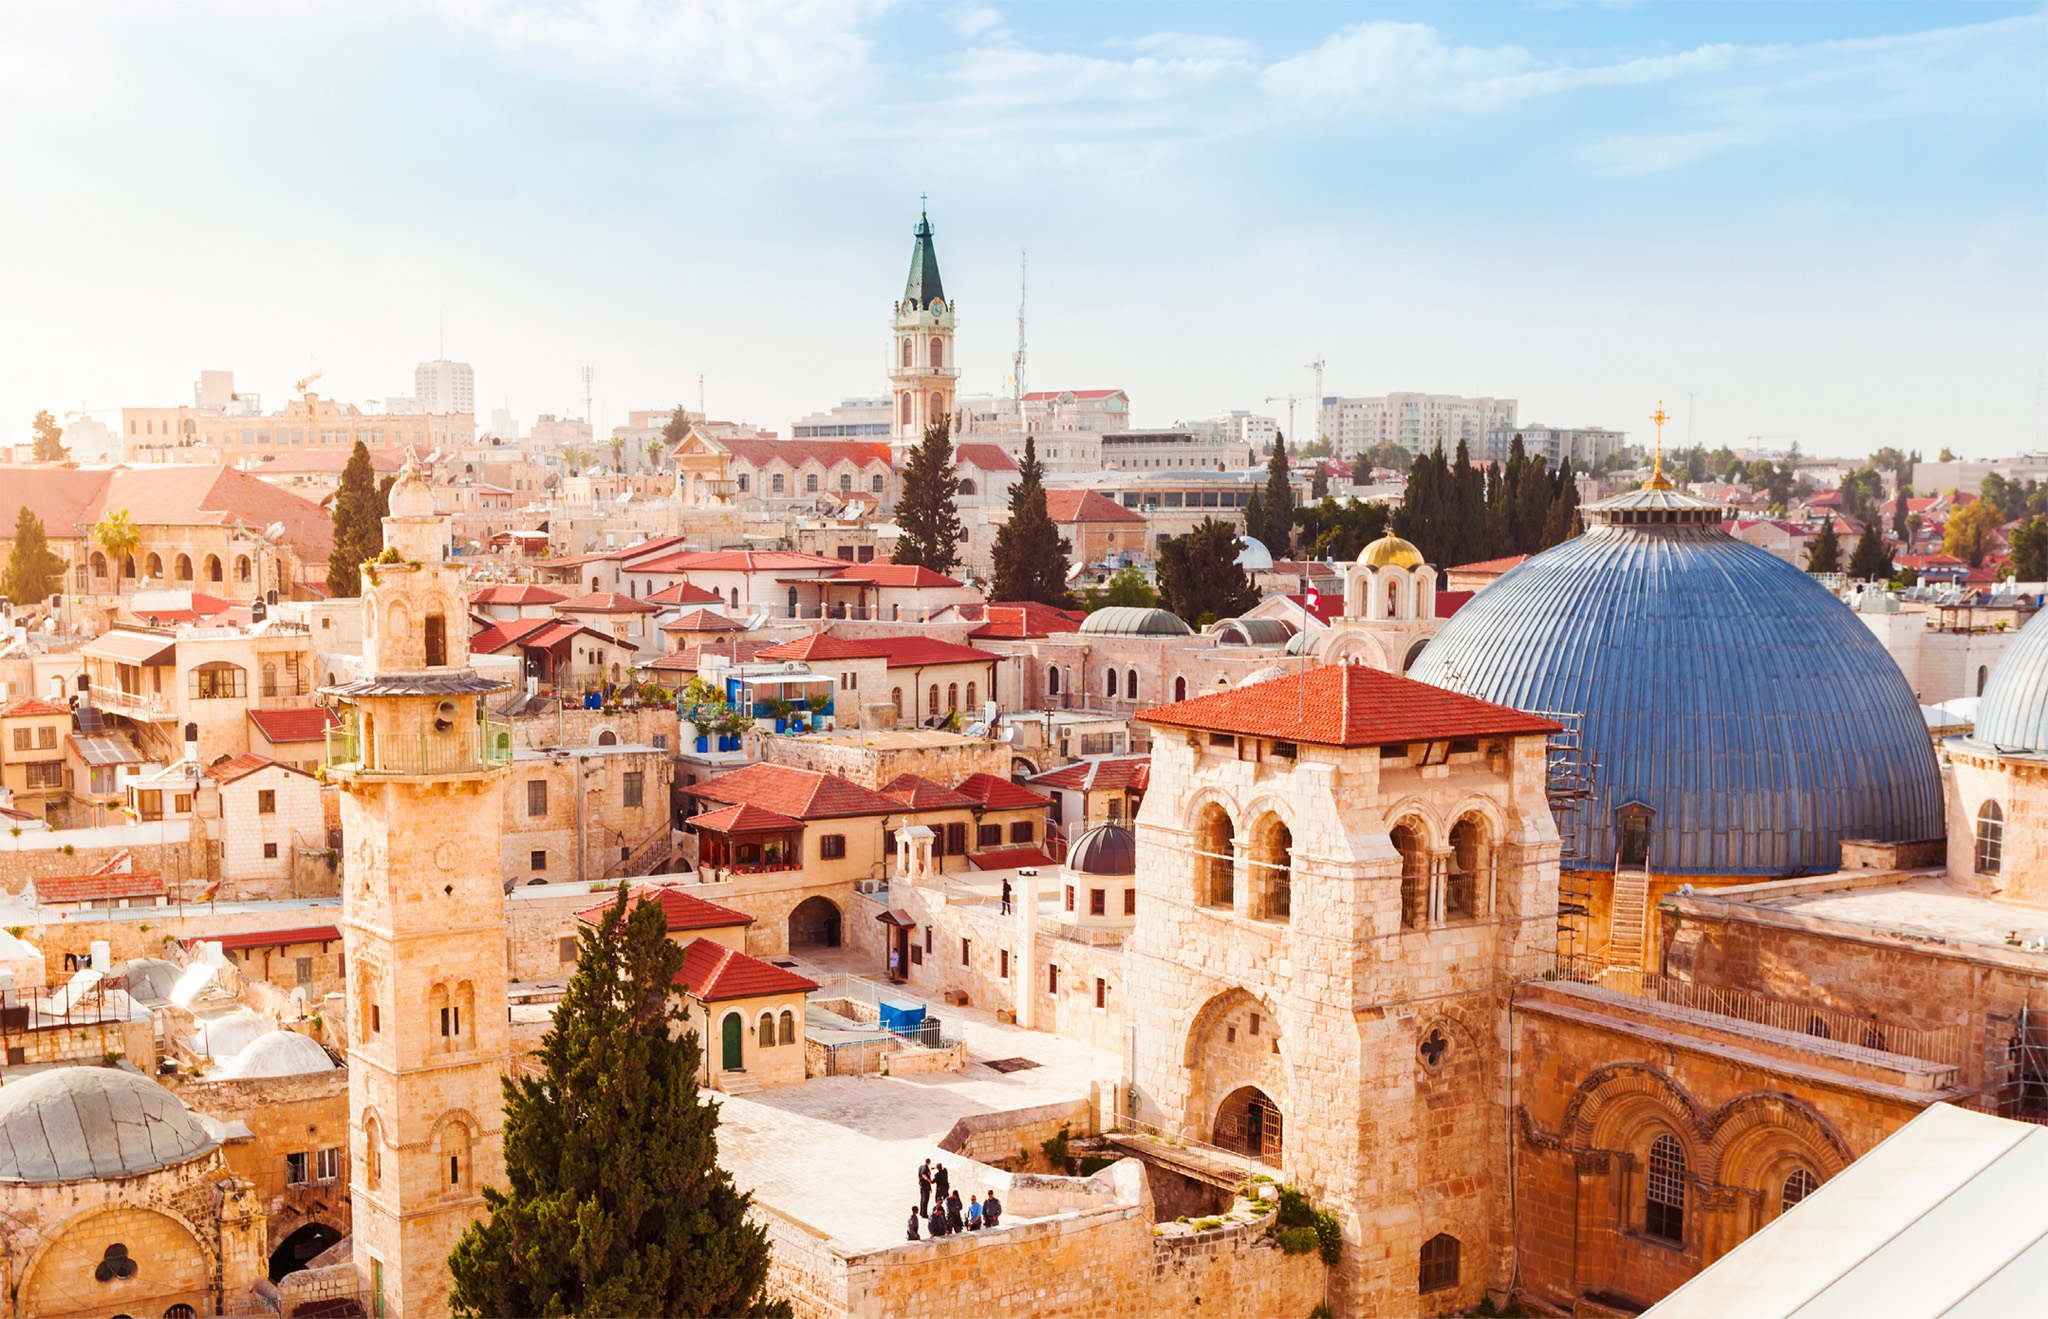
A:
{"points": [[1926, 904]]}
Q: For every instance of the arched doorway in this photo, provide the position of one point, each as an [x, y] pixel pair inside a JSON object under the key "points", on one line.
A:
{"points": [[814, 924], [731, 1057], [1248, 1122], [302, 1245]]}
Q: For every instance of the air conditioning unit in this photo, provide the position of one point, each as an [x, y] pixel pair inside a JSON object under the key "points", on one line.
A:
{"points": [[867, 885]]}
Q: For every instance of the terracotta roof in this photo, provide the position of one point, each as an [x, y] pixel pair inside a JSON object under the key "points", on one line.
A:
{"points": [[904, 652], [606, 602], [682, 593], [295, 725], [1490, 565], [713, 973], [883, 573], [546, 634], [1044, 395], [821, 646], [745, 818], [95, 888], [988, 457], [738, 561], [688, 658], [1024, 620], [1086, 506], [805, 794], [1008, 858], [242, 766], [1347, 705], [703, 620], [685, 911], [795, 453], [524, 593], [921, 794], [28, 707], [1450, 602], [1000, 794], [165, 495], [140, 648], [500, 635], [270, 938], [1113, 774]]}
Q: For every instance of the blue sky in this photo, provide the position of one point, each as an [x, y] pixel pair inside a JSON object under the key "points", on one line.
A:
{"points": [[1827, 223]]}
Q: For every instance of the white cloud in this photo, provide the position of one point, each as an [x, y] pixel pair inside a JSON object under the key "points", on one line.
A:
{"points": [[971, 21], [1190, 46]]}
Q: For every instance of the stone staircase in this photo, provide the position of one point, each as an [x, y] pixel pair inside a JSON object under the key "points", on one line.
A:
{"points": [[1627, 915], [738, 1083]]}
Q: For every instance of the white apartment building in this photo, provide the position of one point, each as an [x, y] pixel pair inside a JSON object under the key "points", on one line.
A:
{"points": [[445, 386], [1584, 445], [1173, 450], [214, 435], [1237, 428], [1416, 422], [853, 419]]}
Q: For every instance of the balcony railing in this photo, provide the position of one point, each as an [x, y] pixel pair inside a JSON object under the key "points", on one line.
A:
{"points": [[458, 750], [135, 705]]}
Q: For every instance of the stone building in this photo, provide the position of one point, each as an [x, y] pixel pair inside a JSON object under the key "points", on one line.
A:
{"points": [[1340, 875], [1998, 779], [421, 768], [924, 373]]}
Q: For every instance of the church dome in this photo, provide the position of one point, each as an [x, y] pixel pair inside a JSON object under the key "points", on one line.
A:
{"points": [[411, 496], [1107, 849], [1255, 557], [1132, 621], [278, 1053], [84, 1123], [2013, 715], [1391, 551], [1723, 689]]}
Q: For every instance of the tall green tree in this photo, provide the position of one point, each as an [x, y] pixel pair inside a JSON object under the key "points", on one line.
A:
{"points": [[925, 510], [1030, 553], [1900, 512], [49, 439], [118, 539], [1561, 521], [677, 428], [2028, 545], [1340, 530], [1198, 574], [34, 573], [1128, 588], [1825, 554], [1870, 561], [1319, 484], [1275, 525], [358, 532], [1967, 535], [616, 1203]]}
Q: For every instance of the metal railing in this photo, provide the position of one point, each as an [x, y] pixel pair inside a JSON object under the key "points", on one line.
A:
{"points": [[113, 700], [1859, 1036], [484, 743]]}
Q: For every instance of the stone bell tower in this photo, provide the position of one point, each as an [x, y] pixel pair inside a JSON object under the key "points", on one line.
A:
{"points": [[421, 766], [923, 375]]}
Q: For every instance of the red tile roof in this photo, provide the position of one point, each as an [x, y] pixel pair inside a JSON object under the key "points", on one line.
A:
{"points": [[738, 561], [906, 652], [988, 457], [28, 707], [1450, 602], [242, 766], [94, 888], [883, 573], [795, 453], [1024, 620], [713, 973], [745, 818], [682, 593], [685, 911], [1086, 506], [549, 633], [805, 794], [1491, 565], [821, 646], [1347, 705], [1008, 858], [921, 794], [606, 602], [309, 725], [1114, 774], [500, 635], [1328, 606], [1000, 794], [270, 938], [703, 620], [523, 593], [1045, 395], [688, 658]]}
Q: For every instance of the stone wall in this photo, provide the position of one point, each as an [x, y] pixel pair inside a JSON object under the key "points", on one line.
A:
{"points": [[285, 1115], [997, 1138], [157, 931], [40, 854], [944, 758]]}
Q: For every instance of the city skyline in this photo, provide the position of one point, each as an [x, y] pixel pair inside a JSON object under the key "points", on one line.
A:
{"points": [[1816, 221]]}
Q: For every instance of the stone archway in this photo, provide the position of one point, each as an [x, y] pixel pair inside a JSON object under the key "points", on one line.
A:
{"points": [[293, 1253], [1248, 1122], [816, 923]]}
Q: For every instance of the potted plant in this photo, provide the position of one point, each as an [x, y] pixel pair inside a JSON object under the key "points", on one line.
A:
{"points": [[779, 710], [730, 725]]}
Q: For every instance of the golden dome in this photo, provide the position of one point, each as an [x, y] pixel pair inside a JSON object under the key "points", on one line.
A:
{"points": [[1391, 552]]}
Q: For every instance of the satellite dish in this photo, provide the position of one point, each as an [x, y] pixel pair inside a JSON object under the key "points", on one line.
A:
{"points": [[273, 531]]}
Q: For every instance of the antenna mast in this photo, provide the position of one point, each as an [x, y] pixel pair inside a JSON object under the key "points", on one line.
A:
{"points": [[586, 400], [1317, 367], [1017, 365]]}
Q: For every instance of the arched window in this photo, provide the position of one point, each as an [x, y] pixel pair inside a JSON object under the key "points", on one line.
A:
{"points": [[441, 1019], [99, 564], [967, 487], [1393, 599], [1990, 838], [218, 680], [1215, 845], [775, 484], [938, 353], [1422, 588], [1407, 840], [1180, 689], [938, 407], [896, 700], [970, 696], [767, 1030], [1131, 685], [1272, 844], [906, 362], [1797, 1187], [788, 1026], [1664, 1190], [373, 1154], [1439, 1263], [213, 572], [155, 564], [128, 565], [1052, 680], [184, 567], [1471, 860], [607, 738], [735, 597], [1109, 683], [952, 696], [932, 701], [241, 567], [1983, 671], [905, 399]]}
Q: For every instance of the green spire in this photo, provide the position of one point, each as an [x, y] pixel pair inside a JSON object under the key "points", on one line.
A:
{"points": [[923, 284]]}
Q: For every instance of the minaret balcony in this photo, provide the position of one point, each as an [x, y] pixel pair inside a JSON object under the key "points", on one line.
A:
{"points": [[466, 748]]}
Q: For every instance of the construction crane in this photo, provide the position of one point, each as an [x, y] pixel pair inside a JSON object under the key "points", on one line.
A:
{"points": [[1290, 400], [300, 387]]}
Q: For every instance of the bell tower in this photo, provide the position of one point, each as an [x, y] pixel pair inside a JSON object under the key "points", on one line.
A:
{"points": [[923, 374], [421, 766]]}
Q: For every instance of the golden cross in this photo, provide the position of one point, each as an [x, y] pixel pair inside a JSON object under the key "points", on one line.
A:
{"points": [[1657, 481]]}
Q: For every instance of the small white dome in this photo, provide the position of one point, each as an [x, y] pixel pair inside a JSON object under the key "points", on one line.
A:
{"points": [[411, 497], [278, 1053], [1255, 557], [1267, 674], [226, 1035]]}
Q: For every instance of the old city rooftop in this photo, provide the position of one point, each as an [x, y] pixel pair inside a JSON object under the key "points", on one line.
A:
{"points": [[1346, 705], [684, 911]]}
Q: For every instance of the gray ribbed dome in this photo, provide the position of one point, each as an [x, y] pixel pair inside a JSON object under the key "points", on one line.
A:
{"points": [[2013, 716], [1107, 849], [1132, 621], [1720, 686], [77, 1123]]}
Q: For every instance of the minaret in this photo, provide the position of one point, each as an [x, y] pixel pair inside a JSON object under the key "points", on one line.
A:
{"points": [[421, 767], [923, 375]]}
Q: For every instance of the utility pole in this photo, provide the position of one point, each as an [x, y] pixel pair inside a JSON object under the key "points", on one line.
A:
{"points": [[1317, 367], [1017, 365]]}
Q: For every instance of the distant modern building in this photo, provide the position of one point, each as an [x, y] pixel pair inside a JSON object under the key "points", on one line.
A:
{"points": [[1968, 475], [1584, 445], [1236, 427], [854, 418], [445, 386], [1416, 422]]}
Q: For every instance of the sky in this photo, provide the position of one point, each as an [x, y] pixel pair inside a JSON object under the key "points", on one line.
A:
{"points": [[1825, 224]]}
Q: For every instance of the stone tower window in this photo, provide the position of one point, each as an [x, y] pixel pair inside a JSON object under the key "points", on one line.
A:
{"points": [[1407, 840], [1215, 845], [1439, 1263], [1109, 686], [938, 353], [373, 1154], [1797, 1187], [1272, 868], [1471, 859], [1664, 1190], [1052, 680], [904, 401], [436, 634], [906, 362], [1990, 838], [1435, 1047]]}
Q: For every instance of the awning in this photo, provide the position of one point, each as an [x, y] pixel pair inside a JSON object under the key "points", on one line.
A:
{"points": [[898, 917], [143, 648]]}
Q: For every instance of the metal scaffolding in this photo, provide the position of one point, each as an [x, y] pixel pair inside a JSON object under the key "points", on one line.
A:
{"points": [[1568, 787], [2025, 1093]]}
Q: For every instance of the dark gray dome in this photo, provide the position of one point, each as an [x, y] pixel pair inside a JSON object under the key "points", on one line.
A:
{"points": [[78, 1123], [1720, 686], [2013, 716], [1107, 849]]}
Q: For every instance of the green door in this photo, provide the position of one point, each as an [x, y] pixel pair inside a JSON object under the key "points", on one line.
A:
{"points": [[732, 1041]]}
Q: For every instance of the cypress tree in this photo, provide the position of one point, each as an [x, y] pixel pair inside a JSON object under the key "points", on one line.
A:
{"points": [[1198, 574], [33, 573], [1562, 521], [1276, 525], [1030, 553], [49, 439], [1533, 498], [1319, 485], [925, 511], [1900, 513], [1825, 554], [1870, 561], [617, 1205], [358, 534]]}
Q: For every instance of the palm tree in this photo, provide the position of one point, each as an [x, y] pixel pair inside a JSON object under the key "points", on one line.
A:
{"points": [[654, 452], [575, 458], [618, 445], [118, 539]]}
